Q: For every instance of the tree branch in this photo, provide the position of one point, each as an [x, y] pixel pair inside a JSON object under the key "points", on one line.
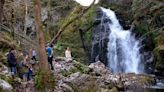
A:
{"points": [[61, 30], [18, 34]]}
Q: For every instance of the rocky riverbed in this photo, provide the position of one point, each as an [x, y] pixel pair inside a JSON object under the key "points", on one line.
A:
{"points": [[72, 76], [96, 77]]}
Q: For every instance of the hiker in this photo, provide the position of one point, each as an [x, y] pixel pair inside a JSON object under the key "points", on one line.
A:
{"points": [[24, 68], [30, 72], [27, 70], [20, 64], [34, 54], [50, 56], [68, 54], [12, 62]]}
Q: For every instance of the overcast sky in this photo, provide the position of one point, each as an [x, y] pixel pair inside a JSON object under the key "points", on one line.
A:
{"points": [[86, 2]]}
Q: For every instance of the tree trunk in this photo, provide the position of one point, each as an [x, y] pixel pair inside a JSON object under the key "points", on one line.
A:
{"points": [[1, 10], [25, 17], [40, 36], [12, 20]]}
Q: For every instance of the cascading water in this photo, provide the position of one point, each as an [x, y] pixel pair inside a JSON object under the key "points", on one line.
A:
{"points": [[123, 49]]}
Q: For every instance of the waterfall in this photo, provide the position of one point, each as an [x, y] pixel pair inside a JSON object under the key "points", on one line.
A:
{"points": [[123, 49]]}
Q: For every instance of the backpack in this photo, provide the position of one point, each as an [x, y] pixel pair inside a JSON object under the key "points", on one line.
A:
{"points": [[8, 57], [50, 52], [21, 64]]}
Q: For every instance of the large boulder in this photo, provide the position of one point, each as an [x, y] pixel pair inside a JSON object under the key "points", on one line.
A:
{"points": [[67, 67], [131, 80], [86, 83], [121, 80], [99, 68]]}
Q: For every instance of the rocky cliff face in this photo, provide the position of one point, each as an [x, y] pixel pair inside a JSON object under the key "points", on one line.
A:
{"points": [[100, 37]]}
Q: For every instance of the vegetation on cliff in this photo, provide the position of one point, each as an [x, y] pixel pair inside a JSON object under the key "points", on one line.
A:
{"points": [[26, 24]]}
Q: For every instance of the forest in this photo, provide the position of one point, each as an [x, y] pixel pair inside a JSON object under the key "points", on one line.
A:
{"points": [[81, 45]]}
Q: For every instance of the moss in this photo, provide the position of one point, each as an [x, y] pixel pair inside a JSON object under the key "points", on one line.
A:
{"points": [[44, 80], [86, 85], [78, 67], [1, 89], [160, 39], [3, 77], [159, 63], [69, 72], [158, 51], [91, 88], [114, 89], [71, 37], [82, 68]]}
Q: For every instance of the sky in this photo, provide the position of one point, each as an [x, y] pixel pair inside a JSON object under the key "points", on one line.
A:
{"points": [[86, 2]]}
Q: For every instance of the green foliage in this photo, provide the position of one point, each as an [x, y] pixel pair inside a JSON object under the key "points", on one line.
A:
{"points": [[90, 88], [67, 73], [71, 37], [8, 79], [148, 18], [1, 89], [82, 68], [44, 80], [158, 51], [159, 63], [78, 67]]}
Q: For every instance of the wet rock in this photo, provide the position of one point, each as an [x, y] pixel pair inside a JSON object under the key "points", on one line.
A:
{"points": [[100, 37], [137, 80], [140, 80], [131, 80]]}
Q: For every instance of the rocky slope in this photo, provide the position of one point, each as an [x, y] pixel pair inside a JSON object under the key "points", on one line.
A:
{"points": [[96, 78]]}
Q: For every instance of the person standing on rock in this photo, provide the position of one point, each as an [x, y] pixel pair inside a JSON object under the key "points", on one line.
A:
{"points": [[12, 62], [34, 54], [50, 56], [68, 54]]}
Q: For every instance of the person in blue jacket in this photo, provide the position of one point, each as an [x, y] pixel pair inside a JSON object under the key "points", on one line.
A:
{"points": [[50, 56]]}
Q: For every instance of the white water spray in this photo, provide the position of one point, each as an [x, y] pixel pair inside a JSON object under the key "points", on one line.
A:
{"points": [[123, 48]]}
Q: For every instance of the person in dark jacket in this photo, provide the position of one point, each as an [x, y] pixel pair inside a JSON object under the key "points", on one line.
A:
{"points": [[12, 61]]}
